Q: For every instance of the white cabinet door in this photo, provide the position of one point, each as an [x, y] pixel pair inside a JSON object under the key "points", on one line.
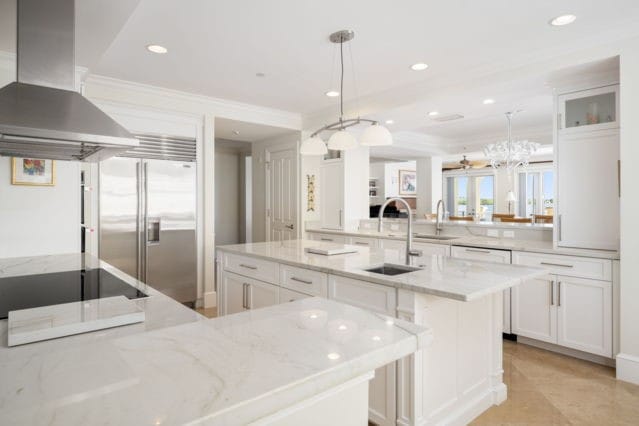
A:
{"points": [[584, 309], [332, 193], [489, 255], [233, 293], [533, 309], [588, 190], [588, 110], [261, 295]]}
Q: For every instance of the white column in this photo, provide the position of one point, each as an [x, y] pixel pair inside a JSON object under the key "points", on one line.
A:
{"points": [[429, 184], [628, 358]]}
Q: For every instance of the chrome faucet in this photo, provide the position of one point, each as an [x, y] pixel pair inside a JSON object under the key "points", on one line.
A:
{"points": [[409, 232], [439, 226]]}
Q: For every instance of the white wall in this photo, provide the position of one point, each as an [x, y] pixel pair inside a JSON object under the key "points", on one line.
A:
{"points": [[391, 180], [40, 220], [227, 197], [628, 359]]}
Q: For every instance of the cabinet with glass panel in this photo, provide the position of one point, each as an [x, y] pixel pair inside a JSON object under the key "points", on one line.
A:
{"points": [[587, 110]]}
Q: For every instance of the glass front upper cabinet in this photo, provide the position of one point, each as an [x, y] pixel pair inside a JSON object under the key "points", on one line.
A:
{"points": [[587, 110]]}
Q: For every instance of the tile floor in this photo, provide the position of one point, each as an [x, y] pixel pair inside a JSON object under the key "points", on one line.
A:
{"points": [[545, 388]]}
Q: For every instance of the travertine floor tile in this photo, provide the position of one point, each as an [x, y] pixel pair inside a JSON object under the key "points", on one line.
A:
{"points": [[552, 389]]}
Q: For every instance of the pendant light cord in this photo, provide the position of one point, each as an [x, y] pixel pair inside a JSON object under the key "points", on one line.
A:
{"points": [[341, 79]]}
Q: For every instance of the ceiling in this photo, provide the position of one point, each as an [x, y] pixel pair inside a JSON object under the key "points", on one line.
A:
{"points": [[241, 131], [475, 50]]}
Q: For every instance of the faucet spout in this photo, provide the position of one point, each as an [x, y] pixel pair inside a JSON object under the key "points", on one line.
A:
{"points": [[439, 224], [409, 231]]}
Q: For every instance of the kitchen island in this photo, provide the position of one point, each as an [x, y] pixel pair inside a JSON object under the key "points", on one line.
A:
{"points": [[288, 364], [455, 378]]}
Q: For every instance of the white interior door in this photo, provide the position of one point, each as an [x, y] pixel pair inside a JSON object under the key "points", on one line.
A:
{"points": [[282, 195]]}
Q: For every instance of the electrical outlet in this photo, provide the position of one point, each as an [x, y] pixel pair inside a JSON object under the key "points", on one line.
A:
{"points": [[492, 233], [509, 234]]}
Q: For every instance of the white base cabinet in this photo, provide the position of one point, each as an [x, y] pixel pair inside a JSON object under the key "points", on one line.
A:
{"points": [[243, 293], [573, 312]]}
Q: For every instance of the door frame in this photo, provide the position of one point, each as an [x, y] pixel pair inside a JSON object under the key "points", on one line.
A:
{"points": [[268, 150]]}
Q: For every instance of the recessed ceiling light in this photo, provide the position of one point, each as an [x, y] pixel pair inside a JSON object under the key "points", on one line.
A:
{"points": [[332, 93], [156, 48], [333, 356], [563, 20], [420, 66], [433, 113], [488, 101], [390, 122], [342, 327]]}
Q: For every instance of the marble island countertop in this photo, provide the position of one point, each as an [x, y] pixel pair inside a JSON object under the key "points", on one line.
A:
{"points": [[534, 246], [179, 367], [442, 276]]}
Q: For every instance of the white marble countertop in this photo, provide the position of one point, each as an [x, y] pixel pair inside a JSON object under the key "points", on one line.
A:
{"points": [[179, 367], [534, 246], [442, 276]]}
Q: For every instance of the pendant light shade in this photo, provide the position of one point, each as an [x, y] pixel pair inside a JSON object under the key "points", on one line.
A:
{"points": [[313, 146], [376, 135], [342, 140]]}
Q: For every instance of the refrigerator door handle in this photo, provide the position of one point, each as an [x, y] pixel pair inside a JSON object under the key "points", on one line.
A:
{"points": [[154, 226], [146, 218]]}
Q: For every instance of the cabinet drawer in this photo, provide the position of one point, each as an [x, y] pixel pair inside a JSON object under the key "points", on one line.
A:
{"points": [[250, 267], [287, 295], [572, 266], [365, 242], [375, 297], [478, 253], [330, 238], [429, 249], [304, 280]]}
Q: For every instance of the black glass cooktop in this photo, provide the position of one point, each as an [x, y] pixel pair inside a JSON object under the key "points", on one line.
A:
{"points": [[32, 291]]}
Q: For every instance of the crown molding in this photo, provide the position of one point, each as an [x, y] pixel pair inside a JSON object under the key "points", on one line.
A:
{"points": [[112, 89]]}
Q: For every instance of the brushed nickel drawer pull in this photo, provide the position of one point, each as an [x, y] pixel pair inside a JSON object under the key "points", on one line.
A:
{"points": [[556, 264], [478, 251], [360, 243], [299, 280], [552, 293], [326, 239], [559, 294], [248, 266]]}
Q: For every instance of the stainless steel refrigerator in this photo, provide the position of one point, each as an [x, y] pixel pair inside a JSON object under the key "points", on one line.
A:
{"points": [[148, 216]]}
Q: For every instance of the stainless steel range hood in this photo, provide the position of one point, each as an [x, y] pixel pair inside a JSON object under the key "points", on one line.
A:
{"points": [[41, 115]]}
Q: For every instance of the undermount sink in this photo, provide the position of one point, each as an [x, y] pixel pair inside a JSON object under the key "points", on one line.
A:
{"points": [[435, 237], [392, 269]]}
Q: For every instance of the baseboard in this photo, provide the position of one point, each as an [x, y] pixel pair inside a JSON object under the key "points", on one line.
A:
{"points": [[210, 299], [628, 368], [598, 359]]}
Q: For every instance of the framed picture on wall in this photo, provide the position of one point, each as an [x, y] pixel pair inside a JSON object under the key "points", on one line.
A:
{"points": [[32, 171], [407, 182]]}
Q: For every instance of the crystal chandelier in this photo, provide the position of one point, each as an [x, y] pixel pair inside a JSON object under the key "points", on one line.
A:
{"points": [[374, 135], [510, 154]]}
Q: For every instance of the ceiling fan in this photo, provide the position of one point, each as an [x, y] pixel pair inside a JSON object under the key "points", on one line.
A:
{"points": [[465, 164]]}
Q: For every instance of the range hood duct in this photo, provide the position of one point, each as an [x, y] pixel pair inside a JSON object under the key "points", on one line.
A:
{"points": [[41, 114]]}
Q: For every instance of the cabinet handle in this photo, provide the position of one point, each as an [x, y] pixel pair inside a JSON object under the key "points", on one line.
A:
{"points": [[478, 251], [244, 295], [299, 280], [326, 239], [619, 178], [559, 226], [360, 243], [552, 292], [248, 266], [249, 297], [559, 294], [556, 264], [340, 218], [559, 121]]}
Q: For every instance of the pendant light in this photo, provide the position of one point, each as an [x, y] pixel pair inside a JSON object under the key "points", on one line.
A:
{"points": [[341, 139]]}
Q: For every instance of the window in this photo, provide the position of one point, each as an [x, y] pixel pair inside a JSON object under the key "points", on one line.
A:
{"points": [[536, 192], [470, 195]]}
